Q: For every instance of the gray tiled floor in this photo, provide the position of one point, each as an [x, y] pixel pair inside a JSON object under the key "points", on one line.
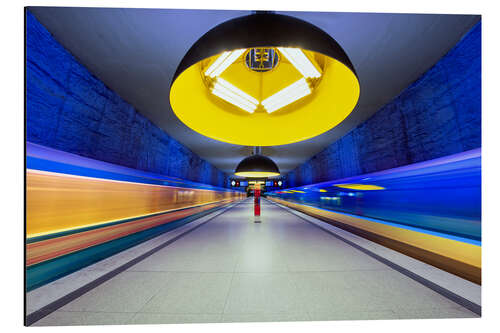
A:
{"points": [[231, 269]]}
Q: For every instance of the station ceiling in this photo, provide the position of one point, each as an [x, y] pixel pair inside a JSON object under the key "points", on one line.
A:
{"points": [[135, 52]]}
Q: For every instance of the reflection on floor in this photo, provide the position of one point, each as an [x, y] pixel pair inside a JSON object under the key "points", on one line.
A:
{"points": [[234, 270]]}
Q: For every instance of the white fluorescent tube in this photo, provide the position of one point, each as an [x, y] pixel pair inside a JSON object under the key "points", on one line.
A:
{"points": [[234, 96], [283, 103], [300, 84], [217, 62], [236, 90], [300, 61], [291, 98], [225, 62], [287, 96], [229, 99], [305, 64], [280, 94]]}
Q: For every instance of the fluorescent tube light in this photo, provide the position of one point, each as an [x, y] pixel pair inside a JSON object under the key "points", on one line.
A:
{"points": [[302, 83], [231, 99], [300, 61], [236, 90], [234, 95], [216, 63], [234, 99], [286, 96], [223, 62], [283, 103]]}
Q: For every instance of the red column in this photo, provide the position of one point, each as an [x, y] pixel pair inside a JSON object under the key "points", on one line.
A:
{"points": [[256, 206]]}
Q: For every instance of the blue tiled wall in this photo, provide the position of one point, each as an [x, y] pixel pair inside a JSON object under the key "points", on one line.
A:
{"points": [[69, 109], [437, 115]]}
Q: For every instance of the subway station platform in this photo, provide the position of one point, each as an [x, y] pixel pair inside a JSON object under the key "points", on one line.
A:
{"points": [[231, 269], [141, 174]]}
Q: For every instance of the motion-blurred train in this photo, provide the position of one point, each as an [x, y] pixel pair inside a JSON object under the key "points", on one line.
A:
{"points": [[79, 210], [429, 210]]}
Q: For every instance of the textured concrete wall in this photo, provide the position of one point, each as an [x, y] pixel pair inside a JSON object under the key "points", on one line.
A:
{"points": [[437, 115], [69, 109]]}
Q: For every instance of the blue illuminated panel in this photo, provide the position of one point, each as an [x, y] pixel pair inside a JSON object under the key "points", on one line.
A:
{"points": [[441, 196]]}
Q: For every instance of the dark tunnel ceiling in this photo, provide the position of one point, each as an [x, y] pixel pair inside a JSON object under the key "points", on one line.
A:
{"points": [[135, 52]]}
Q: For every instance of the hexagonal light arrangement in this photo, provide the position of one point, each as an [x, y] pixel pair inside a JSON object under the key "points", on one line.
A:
{"points": [[239, 98]]}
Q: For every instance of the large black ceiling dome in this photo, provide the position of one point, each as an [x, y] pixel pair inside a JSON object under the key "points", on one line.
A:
{"points": [[263, 29], [217, 89]]}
